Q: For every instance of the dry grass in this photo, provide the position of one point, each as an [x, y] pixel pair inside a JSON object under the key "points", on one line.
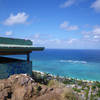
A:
{"points": [[55, 83], [68, 94]]}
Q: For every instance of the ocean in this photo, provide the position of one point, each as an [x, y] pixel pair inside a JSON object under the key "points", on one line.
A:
{"points": [[80, 64]]}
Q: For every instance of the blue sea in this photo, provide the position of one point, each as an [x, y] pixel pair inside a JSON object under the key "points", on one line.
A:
{"points": [[80, 64]]}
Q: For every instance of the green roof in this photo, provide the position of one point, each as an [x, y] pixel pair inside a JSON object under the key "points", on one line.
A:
{"points": [[13, 41], [9, 46]]}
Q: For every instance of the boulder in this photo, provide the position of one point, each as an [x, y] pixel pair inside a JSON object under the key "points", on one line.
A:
{"points": [[23, 87]]}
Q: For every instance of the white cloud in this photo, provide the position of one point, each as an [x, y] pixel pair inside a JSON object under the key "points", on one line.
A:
{"points": [[86, 32], [89, 40], [93, 35], [57, 41], [38, 42], [96, 30], [65, 25], [96, 37], [87, 36], [68, 3], [71, 41], [96, 5], [8, 33], [36, 36], [19, 18]]}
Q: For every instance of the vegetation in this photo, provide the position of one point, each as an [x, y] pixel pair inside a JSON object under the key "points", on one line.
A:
{"points": [[91, 97], [93, 87], [53, 83], [87, 90], [77, 90], [98, 93], [68, 93], [43, 79]]}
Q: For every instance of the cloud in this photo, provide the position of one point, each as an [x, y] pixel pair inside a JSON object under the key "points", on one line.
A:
{"points": [[53, 42], [96, 5], [89, 40], [65, 25], [19, 18], [47, 42], [86, 32], [87, 36], [96, 30], [96, 36], [8, 33], [36, 36], [71, 41], [93, 35], [68, 3]]}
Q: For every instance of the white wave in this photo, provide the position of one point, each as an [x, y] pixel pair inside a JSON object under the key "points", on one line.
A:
{"points": [[73, 61]]}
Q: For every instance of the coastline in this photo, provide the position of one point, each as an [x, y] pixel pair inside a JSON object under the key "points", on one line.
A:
{"points": [[69, 78]]}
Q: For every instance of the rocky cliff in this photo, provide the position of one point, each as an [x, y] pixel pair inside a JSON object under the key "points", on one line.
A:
{"points": [[23, 87]]}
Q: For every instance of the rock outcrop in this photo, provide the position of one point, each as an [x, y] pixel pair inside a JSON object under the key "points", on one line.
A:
{"points": [[23, 87]]}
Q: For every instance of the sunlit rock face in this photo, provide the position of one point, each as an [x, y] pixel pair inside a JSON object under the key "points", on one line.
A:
{"points": [[17, 87], [23, 87]]}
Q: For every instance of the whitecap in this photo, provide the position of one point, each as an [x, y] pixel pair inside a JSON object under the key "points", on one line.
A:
{"points": [[73, 61]]}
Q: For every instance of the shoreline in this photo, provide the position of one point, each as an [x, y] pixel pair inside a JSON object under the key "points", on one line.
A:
{"points": [[69, 78]]}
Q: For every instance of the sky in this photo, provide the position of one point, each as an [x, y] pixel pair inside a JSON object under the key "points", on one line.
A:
{"points": [[59, 24]]}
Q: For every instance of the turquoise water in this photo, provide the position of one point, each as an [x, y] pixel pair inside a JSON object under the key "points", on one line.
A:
{"points": [[88, 71], [81, 64]]}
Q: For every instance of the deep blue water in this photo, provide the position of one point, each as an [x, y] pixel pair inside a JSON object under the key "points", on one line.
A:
{"points": [[81, 64]]}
